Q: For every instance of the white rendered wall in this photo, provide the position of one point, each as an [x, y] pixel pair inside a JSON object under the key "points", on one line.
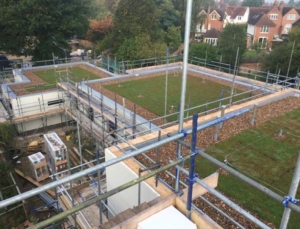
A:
{"points": [[38, 124], [119, 174], [250, 29], [36, 103]]}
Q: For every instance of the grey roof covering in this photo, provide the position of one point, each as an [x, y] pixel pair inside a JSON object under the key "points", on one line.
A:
{"points": [[213, 33]]}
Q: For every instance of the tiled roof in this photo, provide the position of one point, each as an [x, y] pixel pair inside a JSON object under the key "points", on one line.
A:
{"points": [[257, 16], [234, 11], [213, 33], [285, 10]]}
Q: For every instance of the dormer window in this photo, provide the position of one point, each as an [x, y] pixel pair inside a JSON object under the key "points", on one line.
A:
{"points": [[273, 16], [264, 29], [213, 17], [291, 17]]}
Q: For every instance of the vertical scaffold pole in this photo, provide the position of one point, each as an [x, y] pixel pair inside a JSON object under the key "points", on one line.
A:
{"points": [[292, 195], [184, 79], [192, 175]]}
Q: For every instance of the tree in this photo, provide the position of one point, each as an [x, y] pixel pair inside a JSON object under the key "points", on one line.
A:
{"points": [[279, 58], [173, 38], [40, 28], [141, 47], [203, 51], [112, 5], [231, 38], [7, 133], [133, 18], [291, 3], [167, 14], [99, 28], [253, 3]]}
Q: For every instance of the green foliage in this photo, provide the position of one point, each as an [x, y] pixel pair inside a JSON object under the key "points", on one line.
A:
{"points": [[232, 37], [140, 47], [7, 133], [166, 13], [294, 35], [253, 3], [98, 9], [279, 58], [232, 2], [172, 37], [40, 28], [203, 50], [135, 18]]}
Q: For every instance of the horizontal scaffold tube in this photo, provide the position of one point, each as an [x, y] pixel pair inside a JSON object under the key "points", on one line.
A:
{"points": [[248, 180], [227, 201], [88, 171], [104, 196]]}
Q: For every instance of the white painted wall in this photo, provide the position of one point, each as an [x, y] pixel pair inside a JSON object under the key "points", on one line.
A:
{"points": [[30, 104], [119, 174], [250, 29], [38, 124]]}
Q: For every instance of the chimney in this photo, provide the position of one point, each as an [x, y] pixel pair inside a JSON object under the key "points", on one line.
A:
{"points": [[275, 3], [281, 5]]}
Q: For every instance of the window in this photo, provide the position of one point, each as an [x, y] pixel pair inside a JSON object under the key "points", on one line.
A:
{"points": [[291, 17], [213, 17], [211, 41], [264, 29], [263, 42], [239, 18], [287, 28], [273, 16]]}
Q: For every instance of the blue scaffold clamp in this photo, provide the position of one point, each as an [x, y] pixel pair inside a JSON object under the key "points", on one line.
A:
{"points": [[288, 199], [194, 177], [184, 132]]}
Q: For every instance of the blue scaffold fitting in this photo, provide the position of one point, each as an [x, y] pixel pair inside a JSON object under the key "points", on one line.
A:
{"points": [[183, 132], [288, 199], [194, 178]]}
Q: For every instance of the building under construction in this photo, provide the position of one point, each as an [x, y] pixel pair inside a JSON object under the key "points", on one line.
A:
{"points": [[142, 174]]}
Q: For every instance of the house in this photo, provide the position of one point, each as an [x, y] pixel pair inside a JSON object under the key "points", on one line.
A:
{"points": [[236, 15], [269, 24], [261, 28], [289, 16], [209, 19], [211, 37]]}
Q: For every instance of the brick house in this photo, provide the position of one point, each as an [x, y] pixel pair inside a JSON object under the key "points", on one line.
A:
{"points": [[269, 24], [209, 19], [289, 17]]}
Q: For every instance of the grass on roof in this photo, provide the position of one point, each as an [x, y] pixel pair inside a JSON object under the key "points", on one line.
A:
{"points": [[76, 74], [265, 156], [150, 93]]}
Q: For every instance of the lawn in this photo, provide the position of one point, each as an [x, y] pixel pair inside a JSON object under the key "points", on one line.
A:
{"points": [[266, 157], [150, 93], [76, 74]]}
